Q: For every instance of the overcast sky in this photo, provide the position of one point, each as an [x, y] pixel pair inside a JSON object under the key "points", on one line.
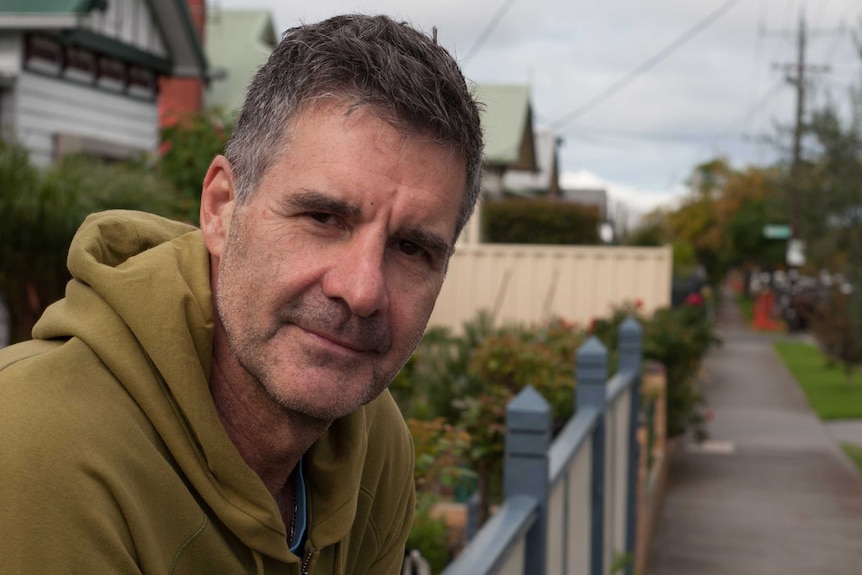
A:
{"points": [[692, 78]]}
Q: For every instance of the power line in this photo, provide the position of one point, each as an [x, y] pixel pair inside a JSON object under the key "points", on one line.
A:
{"points": [[489, 28], [577, 130], [764, 99], [758, 47], [650, 63]]}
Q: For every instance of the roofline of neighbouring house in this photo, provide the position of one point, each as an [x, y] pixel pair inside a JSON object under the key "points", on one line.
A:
{"points": [[168, 14]]}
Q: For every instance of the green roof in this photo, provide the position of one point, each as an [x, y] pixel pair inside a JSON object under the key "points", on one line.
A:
{"points": [[237, 43], [49, 6], [508, 124], [171, 16]]}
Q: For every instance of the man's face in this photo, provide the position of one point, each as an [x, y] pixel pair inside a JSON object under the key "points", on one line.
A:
{"points": [[331, 268]]}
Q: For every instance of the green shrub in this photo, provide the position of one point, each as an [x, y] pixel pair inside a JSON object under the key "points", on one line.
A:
{"points": [[540, 222], [462, 384], [479, 373], [677, 338], [441, 454], [40, 210], [429, 535], [188, 147], [541, 358], [436, 375]]}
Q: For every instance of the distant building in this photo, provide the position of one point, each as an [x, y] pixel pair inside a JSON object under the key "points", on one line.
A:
{"points": [[237, 43], [83, 76], [545, 180], [181, 96], [507, 119], [589, 197]]}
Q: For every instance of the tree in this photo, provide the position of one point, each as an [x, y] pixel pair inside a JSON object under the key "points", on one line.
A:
{"points": [[831, 189], [650, 232], [40, 212], [829, 184], [188, 147], [722, 219]]}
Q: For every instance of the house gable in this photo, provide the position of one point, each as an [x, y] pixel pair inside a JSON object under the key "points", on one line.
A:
{"points": [[545, 181], [156, 34], [83, 75], [507, 120], [237, 43]]}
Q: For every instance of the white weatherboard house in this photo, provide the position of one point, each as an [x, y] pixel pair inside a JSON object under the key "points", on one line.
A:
{"points": [[82, 75]]}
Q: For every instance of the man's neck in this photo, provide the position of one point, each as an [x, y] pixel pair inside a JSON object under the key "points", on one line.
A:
{"points": [[269, 438]]}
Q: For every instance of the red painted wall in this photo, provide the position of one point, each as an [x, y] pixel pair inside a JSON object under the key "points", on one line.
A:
{"points": [[179, 97]]}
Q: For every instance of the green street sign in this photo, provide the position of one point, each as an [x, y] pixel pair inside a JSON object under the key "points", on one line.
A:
{"points": [[776, 232]]}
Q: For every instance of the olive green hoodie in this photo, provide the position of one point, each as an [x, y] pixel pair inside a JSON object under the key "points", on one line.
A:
{"points": [[113, 459]]}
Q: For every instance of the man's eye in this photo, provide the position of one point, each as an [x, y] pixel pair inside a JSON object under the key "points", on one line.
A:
{"points": [[409, 248], [321, 217]]}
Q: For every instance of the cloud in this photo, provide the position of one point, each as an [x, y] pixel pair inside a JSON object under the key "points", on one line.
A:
{"points": [[717, 94], [625, 201]]}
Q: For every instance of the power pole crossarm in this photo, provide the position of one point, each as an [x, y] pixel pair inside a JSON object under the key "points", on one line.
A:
{"points": [[797, 77]]}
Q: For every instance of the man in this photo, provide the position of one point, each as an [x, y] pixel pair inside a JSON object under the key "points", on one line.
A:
{"points": [[213, 400]]}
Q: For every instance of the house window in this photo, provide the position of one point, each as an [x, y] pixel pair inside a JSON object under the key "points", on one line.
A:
{"points": [[68, 144], [111, 74], [80, 59], [71, 61], [43, 53], [80, 64], [142, 81]]}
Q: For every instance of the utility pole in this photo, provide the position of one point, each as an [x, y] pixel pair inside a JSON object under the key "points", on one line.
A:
{"points": [[799, 82], [796, 77]]}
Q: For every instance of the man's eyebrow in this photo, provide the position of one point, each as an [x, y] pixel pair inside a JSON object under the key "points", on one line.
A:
{"points": [[314, 201], [433, 243]]}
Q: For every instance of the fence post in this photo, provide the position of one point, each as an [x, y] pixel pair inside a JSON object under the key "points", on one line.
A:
{"points": [[591, 365], [631, 352], [472, 515], [526, 470]]}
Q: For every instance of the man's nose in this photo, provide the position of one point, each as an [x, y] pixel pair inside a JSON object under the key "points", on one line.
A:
{"points": [[358, 277]]}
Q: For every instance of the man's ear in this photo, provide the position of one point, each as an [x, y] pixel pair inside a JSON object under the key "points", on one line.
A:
{"points": [[218, 198]]}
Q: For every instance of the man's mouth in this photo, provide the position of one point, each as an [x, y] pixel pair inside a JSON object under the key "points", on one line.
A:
{"points": [[350, 344], [340, 341]]}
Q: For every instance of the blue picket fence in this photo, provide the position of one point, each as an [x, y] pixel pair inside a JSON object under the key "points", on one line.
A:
{"points": [[569, 504]]}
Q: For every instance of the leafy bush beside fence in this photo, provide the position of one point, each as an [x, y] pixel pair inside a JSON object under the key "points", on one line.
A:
{"points": [[480, 372], [677, 338]]}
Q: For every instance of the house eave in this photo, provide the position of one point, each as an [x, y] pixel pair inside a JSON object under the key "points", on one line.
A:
{"points": [[22, 21], [180, 33], [172, 16]]}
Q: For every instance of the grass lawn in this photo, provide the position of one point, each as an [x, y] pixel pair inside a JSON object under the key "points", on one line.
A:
{"points": [[854, 452], [825, 386]]}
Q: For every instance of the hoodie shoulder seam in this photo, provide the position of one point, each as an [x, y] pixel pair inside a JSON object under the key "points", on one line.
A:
{"points": [[40, 347]]}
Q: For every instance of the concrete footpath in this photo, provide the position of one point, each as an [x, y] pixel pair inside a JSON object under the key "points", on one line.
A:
{"points": [[770, 492]]}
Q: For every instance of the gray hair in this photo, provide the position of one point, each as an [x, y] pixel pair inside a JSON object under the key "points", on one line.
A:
{"points": [[401, 74]]}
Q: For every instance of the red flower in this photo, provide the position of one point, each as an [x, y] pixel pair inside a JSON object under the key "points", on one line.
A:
{"points": [[694, 300]]}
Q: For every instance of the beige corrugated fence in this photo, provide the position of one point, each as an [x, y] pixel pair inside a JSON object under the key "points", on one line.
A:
{"points": [[528, 284]]}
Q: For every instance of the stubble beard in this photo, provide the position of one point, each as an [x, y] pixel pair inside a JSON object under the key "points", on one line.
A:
{"points": [[253, 347]]}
